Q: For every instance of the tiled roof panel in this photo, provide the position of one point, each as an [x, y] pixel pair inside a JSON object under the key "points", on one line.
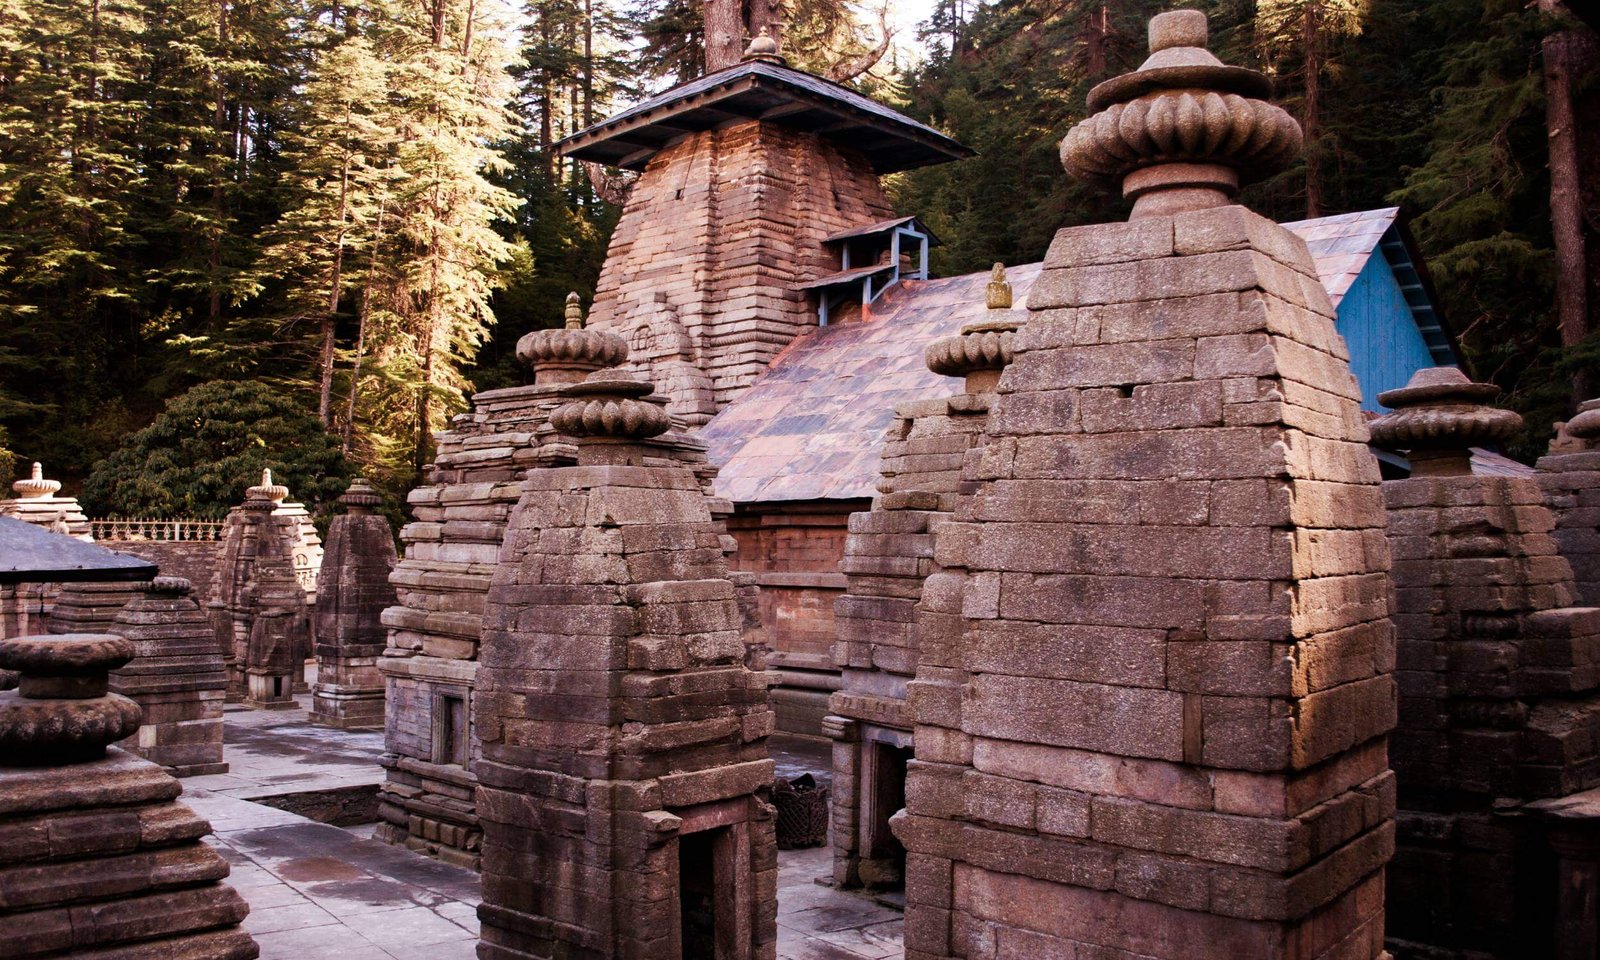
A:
{"points": [[1342, 244], [811, 427]]}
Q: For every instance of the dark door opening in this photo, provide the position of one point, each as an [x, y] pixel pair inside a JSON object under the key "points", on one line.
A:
{"points": [[888, 796], [697, 895]]}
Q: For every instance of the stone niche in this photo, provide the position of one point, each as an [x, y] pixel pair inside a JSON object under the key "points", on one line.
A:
{"points": [[624, 772], [1158, 726]]}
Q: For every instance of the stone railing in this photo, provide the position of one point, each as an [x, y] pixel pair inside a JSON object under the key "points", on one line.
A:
{"points": [[169, 531]]}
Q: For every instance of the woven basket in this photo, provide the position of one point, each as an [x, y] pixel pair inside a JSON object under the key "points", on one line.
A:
{"points": [[802, 813]]}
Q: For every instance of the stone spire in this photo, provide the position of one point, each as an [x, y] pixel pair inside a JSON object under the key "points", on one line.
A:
{"points": [[39, 501], [347, 628], [99, 860], [1173, 529], [896, 605], [569, 354], [1438, 417], [1570, 477], [36, 485], [1185, 130], [177, 676]]}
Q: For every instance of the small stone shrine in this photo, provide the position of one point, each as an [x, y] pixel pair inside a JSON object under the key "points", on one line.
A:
{"points": [[1499, 681], [268, 547], [624, 766], [176, 676], [353, 590], [1570, 477], [1161, 729], [451, 547], [37, 502], [888, 556], [97, 859]]}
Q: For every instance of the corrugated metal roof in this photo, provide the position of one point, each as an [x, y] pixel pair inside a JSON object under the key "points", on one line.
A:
{"points": [[32, 554], [811, 426]]}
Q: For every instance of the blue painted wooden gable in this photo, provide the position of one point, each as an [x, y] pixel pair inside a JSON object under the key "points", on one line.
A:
{"points": [[1383, 307]]}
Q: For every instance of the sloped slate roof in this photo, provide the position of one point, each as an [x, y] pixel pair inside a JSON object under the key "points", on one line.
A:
{"points": [[31, 554], [1341, 245], [811, 427], [766, 91]]}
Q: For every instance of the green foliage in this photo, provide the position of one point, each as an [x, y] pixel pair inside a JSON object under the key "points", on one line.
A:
{"points": [[208, 445], [1482, 199]]}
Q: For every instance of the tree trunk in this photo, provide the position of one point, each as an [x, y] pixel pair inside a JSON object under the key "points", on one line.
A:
{"points": [[1313, 107], [1566, 202], [764, 13], [724, 24]]}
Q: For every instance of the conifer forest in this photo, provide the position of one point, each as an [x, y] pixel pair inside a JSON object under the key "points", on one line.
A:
{"points": [[235, 232]]}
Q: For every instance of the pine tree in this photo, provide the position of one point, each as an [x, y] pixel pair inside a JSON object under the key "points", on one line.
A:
{"points": [[450, 60], [343, 170]]}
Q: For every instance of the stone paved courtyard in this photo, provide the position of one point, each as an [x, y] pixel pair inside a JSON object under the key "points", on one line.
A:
{"points": [[319, 892]]}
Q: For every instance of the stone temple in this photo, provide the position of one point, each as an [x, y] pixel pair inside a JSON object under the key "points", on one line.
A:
{"points": [[1162, 600]]}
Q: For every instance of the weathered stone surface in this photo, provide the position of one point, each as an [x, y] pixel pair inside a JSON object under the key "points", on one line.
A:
{"points": [[96, 860], [1159, 696], [176, 676], [888, 558], [348, 634], [1499, 681], [623, 770]]}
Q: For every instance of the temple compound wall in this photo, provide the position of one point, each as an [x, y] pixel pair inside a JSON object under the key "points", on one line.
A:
{"points": [[1161, 728], [1499, 680], [624, 772]]}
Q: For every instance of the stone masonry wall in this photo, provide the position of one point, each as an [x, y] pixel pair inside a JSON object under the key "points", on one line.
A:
{"points": [[715, 234], [1160, 729]]}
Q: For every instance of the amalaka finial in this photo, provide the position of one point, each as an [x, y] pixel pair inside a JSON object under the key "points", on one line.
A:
{"points": [[569, 354], [764, 47], [998, 294], [36, 486], [978, 353], [1585, 424], [1183, 131], [1438, 417], [611, 407], [267, 490], [62, 710], [361, 497]]}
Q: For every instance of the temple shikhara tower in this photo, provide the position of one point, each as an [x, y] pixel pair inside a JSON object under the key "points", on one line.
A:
{"points": [[1161, 731], [348, 635], [624, 766], [746, 172]]}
